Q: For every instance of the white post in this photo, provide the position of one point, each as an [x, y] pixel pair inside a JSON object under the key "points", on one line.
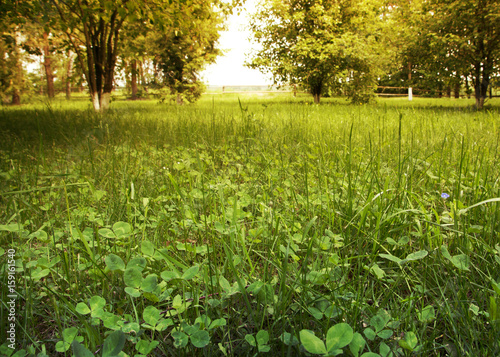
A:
{"points": [[410, 94]]}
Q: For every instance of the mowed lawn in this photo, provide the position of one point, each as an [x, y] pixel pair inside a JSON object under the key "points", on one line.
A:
{"points": [[252, 225]]}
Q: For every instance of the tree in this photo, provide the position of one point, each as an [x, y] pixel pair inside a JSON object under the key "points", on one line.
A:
{"points": [[186, 47], [322, 45], [40, 41], [11, 56], [137, 48], [96, 26], [458, 40]]}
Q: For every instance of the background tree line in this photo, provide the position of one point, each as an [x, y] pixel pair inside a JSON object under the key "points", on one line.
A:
{"points": [[327, 47], [350, 46], [89, 40]]}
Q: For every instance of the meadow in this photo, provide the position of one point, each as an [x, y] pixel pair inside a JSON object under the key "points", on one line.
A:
{"points": [[250, 225]]}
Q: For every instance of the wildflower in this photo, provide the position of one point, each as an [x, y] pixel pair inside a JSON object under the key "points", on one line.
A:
{"points": [[445, 195]]}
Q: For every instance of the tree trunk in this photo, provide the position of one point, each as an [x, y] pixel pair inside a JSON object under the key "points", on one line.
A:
{"points": [[316, 89], [133, 84], [16, 97], [456, 90], [95, 101], [69, 73], [179, 99], [16, 82], [100, 34], [105, 101], [47, 63], [481, 83]]}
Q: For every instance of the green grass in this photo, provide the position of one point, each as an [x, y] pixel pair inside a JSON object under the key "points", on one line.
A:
{"points": [[246, 225]]}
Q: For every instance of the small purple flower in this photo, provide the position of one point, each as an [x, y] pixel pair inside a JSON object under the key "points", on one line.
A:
{"points": [[445, 195]]}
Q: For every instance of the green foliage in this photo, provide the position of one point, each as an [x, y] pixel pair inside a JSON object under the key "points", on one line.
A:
{"points": [[269, 226], [322, 46], [444, 43]]}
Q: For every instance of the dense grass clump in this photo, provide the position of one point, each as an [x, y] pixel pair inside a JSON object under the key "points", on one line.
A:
{"points": [[251, 225]]}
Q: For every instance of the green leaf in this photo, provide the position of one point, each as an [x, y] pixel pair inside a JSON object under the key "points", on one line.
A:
{"points": [[163, 324], [147, 248], [145, 347], [417, 255], [311, 343], [169, 275], [12, 227], [151, 297], [190, 273], [391, 258], [496, 286], [217, 323], [111, 321], [107, 233], [263, 348], [202, 250], [375, 270], [69, 335], [96, 304], [338, 336], [80, 351], [357, 344], [39, 273], [461, 261], [137, 262], [133, 292], [150, 283], [177, 302], [370, 334], [318, 315], [82, 308], [262, 337], [427, 314], [251, 340], [151, 315], [131, 327], [122, 229], [385, 351], [180, 339], [113, 344], [289, 339], [114, 262], [385, 334], [20, 353], [493, 309], [190, 329], [200, 339], [409, 342], [132, 277], [377, 322], [370, 354], [224, 284], [40, 235]]}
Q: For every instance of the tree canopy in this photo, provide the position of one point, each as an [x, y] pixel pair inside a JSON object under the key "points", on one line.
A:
{"points": [[180, 37], [466, 37], [327, 47], [322, 45]]}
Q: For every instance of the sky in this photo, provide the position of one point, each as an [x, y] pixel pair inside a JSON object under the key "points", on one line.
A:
{"points": [[229, 69]]}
